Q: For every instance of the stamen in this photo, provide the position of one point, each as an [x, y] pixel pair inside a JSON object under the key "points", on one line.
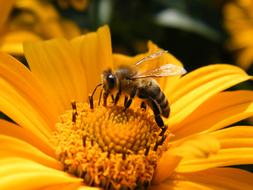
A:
{"points": [[91, 102], [74, 111], [109, 147], [73, 104], [147, 150]]}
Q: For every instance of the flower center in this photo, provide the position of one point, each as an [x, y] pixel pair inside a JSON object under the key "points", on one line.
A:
{"points": [[109, 147]]}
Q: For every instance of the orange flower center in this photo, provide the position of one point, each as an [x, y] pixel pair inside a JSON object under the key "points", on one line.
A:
{"points": [[109, 147]]}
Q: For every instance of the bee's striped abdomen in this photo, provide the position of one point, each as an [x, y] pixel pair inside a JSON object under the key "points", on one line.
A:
{"points": [[163, 104], [153, 92]]}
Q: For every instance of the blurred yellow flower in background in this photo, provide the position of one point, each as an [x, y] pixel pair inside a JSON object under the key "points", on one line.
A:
{"points": [[76, 4], [238, 16], [33, 21], [54, 146]]}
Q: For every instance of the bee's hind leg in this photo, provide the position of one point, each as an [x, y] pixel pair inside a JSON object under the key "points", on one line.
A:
{"points": [[125, 100], [112, 97], [159, 122], [156, 112], [117, 97], [129, 101]]}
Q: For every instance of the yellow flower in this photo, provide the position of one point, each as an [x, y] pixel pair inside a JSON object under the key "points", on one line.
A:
{"points": [[79, 5], [238, 18], [53, 145], [34, 21]]}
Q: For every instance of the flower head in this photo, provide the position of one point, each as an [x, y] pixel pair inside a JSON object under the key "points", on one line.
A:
{"points": [[239, 23], [58, 141], [34, 21], [79, 5]]}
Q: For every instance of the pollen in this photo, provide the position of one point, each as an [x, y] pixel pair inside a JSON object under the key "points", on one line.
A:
{"points": [[109, 147]]}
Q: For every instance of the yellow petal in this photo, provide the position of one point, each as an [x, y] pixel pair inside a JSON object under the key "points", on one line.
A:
{"points": [[11, 146], [80, 5], [47, 18], [57, 66], [180, 185], [217, 178], [219, 111], [13, 130], [95, 52], [199, 146], [70, 28], [224, 157], [235, 137], [236, 148], [21, 111], [88, 188], [12, 41], [121, 59], [72, 186], [28, 87], [199, 85], [165, 167], [26, 175], [245, 57], [5, 9]]}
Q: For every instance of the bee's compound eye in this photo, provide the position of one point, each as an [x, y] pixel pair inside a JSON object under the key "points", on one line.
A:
{"points": [[111, 80]]}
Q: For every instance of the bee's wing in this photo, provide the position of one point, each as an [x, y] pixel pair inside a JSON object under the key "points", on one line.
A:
{"points": [[163, 71], [151, 56]]}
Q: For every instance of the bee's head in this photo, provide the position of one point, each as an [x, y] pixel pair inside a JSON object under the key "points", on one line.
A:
{"points": [[109, 80]]}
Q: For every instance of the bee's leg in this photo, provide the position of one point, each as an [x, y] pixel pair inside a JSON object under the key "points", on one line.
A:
{"points": [[74, 111], [117, 95], [159, 122], [112, 97], [91, 102], [105, 96], [143, 106], [129, 101], [156, 112], [100, 95], [158, 118], [125, 100]]}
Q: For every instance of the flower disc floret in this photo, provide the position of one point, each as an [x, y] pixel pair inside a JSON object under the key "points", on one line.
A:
{"points": [[109, 147]]}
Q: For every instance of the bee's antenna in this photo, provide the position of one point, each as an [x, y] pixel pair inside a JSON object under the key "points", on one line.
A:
{"points": [[91, 96]]}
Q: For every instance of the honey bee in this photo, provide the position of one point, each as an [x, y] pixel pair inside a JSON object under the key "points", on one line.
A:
{"points": [[128, 80]]}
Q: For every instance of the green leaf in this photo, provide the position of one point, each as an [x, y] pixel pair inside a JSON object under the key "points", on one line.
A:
{"points": [[176, 19]]}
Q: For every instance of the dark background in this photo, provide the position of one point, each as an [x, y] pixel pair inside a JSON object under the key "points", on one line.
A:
{"points": [[192, 29]]}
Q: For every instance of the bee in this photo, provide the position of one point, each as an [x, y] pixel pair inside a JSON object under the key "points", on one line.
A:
{"points": [[131, 82]]}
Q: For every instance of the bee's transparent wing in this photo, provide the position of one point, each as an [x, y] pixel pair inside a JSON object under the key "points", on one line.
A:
{"points": [[151, 56], [163, 71]]}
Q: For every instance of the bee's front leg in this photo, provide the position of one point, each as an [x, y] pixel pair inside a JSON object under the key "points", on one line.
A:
{"points": [[105, 96], [117, 95]]}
